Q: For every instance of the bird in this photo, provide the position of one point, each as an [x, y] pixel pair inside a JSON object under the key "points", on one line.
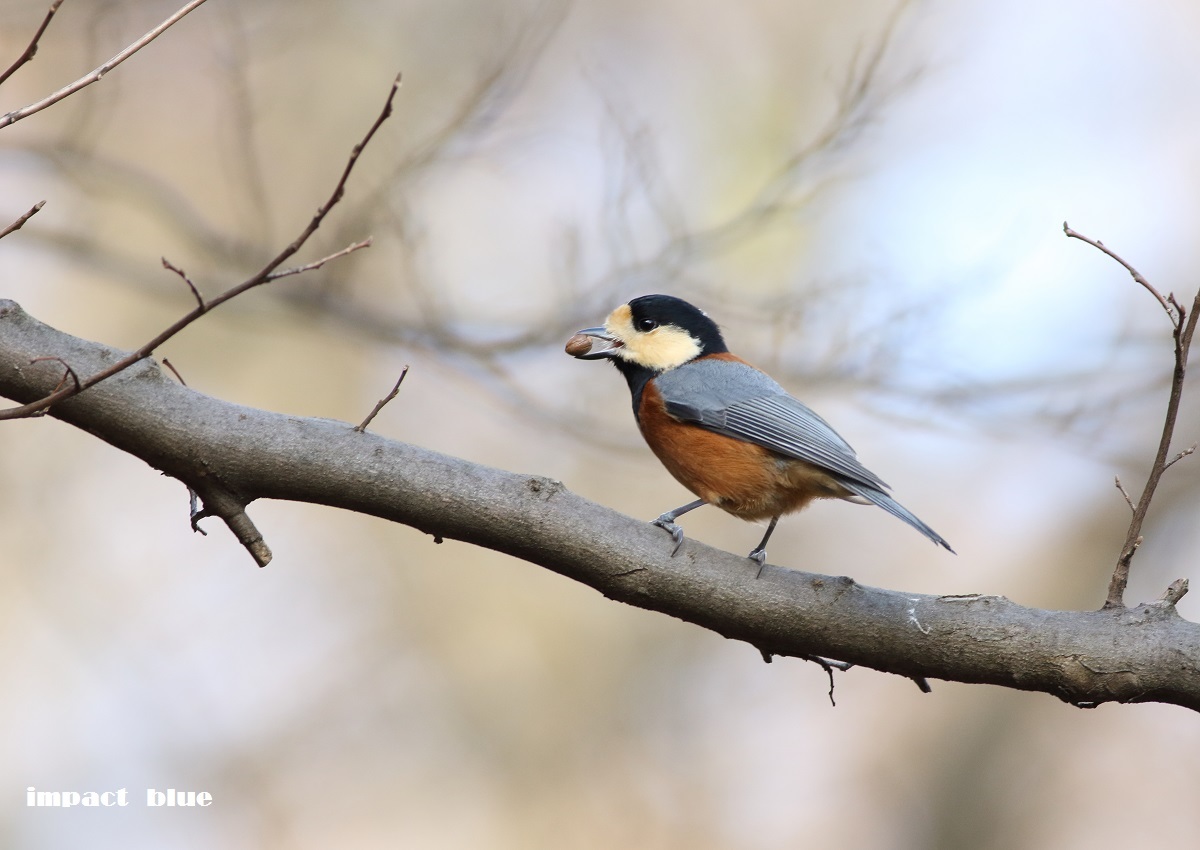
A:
{"points": [[726, 430]]}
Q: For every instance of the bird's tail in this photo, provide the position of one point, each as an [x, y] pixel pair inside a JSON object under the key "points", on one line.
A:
{"points": [[883, 500]]}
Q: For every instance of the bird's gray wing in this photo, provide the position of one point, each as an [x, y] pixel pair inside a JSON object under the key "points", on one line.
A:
{"points": [[739, 401]]}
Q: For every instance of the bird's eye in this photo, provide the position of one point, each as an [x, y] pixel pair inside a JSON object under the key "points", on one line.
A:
{"points": [[646, 325]]}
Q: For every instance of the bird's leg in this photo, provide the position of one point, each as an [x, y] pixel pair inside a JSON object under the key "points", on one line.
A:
{"points": [[760, 551], [667, 522]]}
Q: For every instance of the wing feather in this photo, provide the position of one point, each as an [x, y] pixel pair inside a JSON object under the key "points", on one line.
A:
{"points": [[737, 400], [784, 425]]}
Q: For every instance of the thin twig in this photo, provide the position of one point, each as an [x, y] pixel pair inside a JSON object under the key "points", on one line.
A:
{"points": [[174, 371], [362, 426], [31, 50], [97, 73], [338, 190], [316, 264], [263, 276], [1183, 329], [826, 664], [1096, 243], [69, 373], [20, 222], [167, 264], [1124, 493], [1189, 450]]}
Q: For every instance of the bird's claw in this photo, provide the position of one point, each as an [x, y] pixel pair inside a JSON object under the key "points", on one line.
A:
{"points": [[667, 523], [758, 556]]}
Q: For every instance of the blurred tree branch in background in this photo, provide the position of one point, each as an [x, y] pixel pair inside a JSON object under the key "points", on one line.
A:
{"points": [[650, 238]]}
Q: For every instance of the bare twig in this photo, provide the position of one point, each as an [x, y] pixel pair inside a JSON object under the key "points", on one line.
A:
{"points": [[1189, 450], [1184, 327], [97, 73], [263, 276], [1176, 591], [69, 373], [316, 264], [20, 222], [362, 426], [826, 664], [1124, 493], [174, 372], [1171, 306], [222, 502], [167, 264], [31, 50]]}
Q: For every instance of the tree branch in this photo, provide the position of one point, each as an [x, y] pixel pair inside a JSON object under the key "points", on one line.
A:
{"points": [[31, 50], [1142, 654], [264, 275], [20, 222], [1184, 328], [382, 403], [95, 75]]}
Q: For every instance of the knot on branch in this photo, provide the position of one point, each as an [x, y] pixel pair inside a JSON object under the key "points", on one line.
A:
{"points": [[543, 489]]}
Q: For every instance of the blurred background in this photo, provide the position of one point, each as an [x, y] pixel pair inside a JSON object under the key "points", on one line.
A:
{"points": [[869, 197]]}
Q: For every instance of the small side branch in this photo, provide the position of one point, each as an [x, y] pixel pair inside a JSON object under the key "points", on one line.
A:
{"points": [[31, 50], [69, 373], [1134, 273], [1125, 493], [1183, 329], [20, 222], [826, 664], [221, 501], [1189, 450], [362, 426], [167, 264], [1176, 591], [316, 264]]}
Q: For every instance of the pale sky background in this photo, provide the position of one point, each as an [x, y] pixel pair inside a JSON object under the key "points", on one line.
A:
{"points": [[372, 689]]}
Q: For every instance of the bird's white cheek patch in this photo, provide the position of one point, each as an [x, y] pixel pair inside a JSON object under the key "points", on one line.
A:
{"points": [[662, 348]]}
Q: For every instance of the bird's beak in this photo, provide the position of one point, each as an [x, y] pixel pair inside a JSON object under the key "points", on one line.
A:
{"points": [[609, 348]]}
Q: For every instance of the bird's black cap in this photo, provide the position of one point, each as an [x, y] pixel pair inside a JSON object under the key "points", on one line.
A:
{"points": [[669, 310]]}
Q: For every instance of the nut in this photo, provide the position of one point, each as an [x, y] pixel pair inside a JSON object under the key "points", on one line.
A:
{"points": [[578, 345]]}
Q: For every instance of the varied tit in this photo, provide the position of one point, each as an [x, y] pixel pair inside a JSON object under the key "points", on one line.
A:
{"points": [[725, 430]]}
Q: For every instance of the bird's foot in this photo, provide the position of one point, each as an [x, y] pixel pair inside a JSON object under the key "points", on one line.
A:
{"points": [[667, 523], [758, 556]]}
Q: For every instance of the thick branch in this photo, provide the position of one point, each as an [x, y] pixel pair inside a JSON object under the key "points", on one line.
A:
{"points": [[1141, 654]]}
